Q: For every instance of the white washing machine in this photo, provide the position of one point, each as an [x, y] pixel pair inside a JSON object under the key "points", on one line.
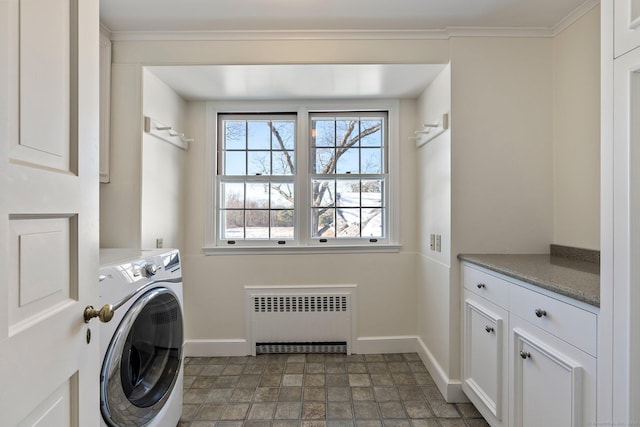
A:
{"points": [[141, 347]]}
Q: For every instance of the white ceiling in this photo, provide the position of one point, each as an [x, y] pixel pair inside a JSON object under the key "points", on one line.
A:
{"points": [[238, 82], [317, 81], [267, 15]]}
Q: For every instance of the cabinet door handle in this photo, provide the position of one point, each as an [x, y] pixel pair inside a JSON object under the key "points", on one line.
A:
{"points": [[540, 312], [489, 329], [525, 354], [481, 285]]}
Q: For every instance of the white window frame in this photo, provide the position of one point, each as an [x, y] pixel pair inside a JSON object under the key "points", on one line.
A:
{"points": [[303, 242]]}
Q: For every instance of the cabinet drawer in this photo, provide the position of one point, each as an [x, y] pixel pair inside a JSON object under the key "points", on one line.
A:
{"points": [[567, 322], [490, 287]]}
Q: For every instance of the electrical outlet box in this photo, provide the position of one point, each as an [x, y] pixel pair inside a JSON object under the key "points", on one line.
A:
{"points": [[159, 242], [438, 243], [432, 242]]}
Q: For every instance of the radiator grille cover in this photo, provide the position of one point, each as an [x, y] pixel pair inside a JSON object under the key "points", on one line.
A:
{"points": [[309, 303], [300, 319], [303, 347]]}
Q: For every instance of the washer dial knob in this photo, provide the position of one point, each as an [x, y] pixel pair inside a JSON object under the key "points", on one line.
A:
{"points": [[150, 270]]}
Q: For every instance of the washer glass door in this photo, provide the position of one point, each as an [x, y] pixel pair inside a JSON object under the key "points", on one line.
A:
{"points": [[143, 360]]}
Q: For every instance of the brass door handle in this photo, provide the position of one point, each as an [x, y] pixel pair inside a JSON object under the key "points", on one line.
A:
{"points": [[105, 314]]}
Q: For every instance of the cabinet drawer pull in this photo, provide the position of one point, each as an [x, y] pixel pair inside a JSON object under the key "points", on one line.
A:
{"points": [[481, 285], [489, 329], [540, 312], [525, 354]]}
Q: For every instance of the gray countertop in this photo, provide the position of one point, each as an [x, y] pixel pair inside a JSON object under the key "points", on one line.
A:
{"points": [[576, 279]]}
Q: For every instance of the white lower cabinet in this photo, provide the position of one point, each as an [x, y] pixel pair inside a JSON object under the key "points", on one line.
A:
{"points": [[485, 358], [552, 383], [521, 364]]}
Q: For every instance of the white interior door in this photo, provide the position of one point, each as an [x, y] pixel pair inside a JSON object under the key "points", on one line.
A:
{"points": [[48, 212]]}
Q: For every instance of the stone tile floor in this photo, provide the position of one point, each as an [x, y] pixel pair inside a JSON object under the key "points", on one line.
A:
{"points": [[317, 390]]}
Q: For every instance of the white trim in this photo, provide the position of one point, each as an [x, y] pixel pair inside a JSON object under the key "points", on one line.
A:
{"points": [[574, 16], [215, 348], [606, 395], [499, 32], [443, 34], [384, 345], [450, 389], [296, 249], [279, 35], [240, 347]]}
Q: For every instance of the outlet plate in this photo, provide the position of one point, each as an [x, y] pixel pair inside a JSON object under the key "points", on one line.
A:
{"points": [[159, 242], [438, 243]]}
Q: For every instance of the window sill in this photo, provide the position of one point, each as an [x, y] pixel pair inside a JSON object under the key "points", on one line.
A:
{"points": [[296, 250]]}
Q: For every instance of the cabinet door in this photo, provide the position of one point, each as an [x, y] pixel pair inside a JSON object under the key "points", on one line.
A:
{"points": [[552, 383], [627, 25], [484, 371]]}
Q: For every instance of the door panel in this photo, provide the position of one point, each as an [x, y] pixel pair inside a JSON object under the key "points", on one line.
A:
{"points": [[48, 212]]}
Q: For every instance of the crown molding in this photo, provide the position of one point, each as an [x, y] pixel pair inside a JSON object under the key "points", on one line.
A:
{"points": [[441, 34], [279, 35], [105, 31], [499, 32], [574, 16]]}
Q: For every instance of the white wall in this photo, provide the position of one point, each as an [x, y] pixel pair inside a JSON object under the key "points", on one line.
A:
{"points": [[120, 199], [144, 198], [487, 185], [501, 145], [163, 168], [434, 213], [576, 65]]}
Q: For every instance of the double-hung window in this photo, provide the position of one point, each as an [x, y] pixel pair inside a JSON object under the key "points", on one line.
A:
{"points": [[348, 176], [313, 178], [257, 177]]}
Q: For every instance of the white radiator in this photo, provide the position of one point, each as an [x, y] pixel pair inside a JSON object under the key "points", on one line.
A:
{"points": [[300, 319]]}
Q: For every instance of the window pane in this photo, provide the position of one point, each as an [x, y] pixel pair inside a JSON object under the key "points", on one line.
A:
{"points": [[345, 131], [322, 193], [348, 193], [283, 162], [323, 222], [235, 163], [259, 163], [282, 224], [235, 135], [232, 224], [371, 160], [284, 135], [348, 161], [282, 195], [372, 220], [257, 224], [232, 195], [322, 160], [323, 133], [259, 135], [257, 195], [371, 192], [348, 222], [372, 133]]}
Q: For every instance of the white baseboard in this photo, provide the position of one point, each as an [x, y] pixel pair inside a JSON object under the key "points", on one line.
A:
{"points": [[381, 345], [216, 348], [450, 389]]}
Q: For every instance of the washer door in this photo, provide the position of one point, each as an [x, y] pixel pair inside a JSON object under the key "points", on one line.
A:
{"points": [[142, 362]]}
